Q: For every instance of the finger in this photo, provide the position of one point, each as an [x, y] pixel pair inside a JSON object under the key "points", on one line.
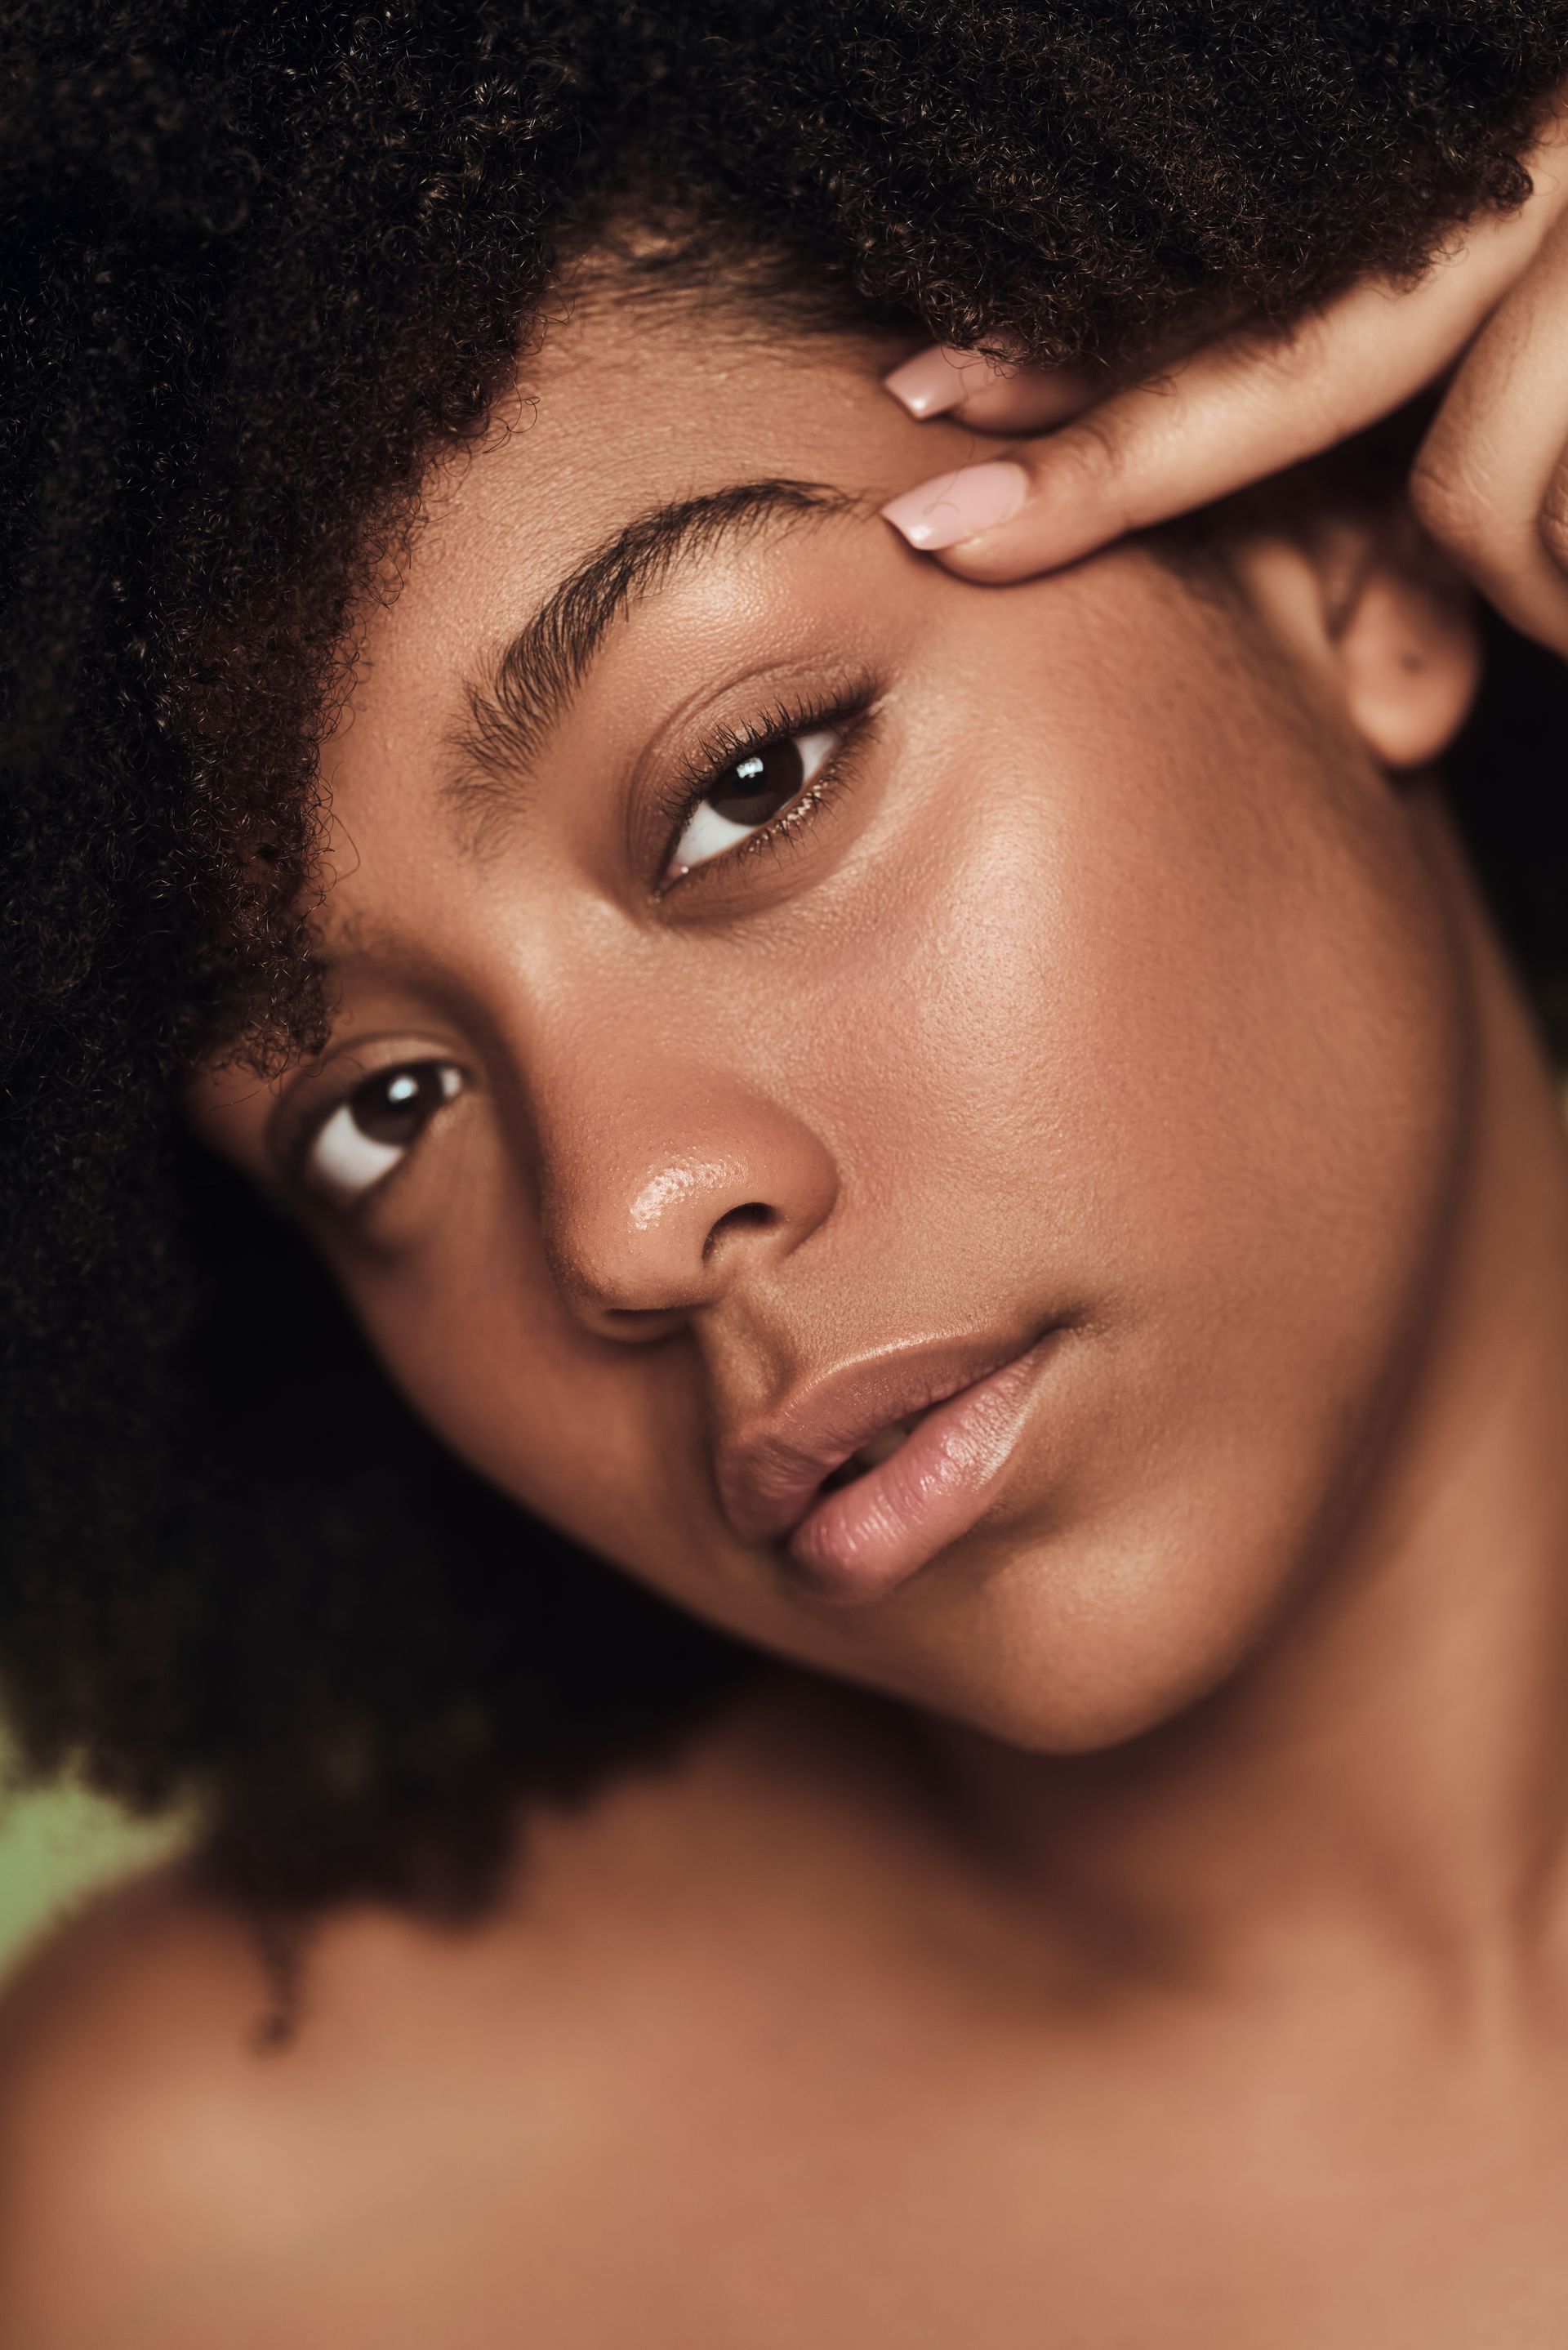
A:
{"points": [[1238, 410], [987, 392], [1490, 482], [1028, 400]]}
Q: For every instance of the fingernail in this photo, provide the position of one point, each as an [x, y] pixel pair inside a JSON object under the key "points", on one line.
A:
{"points": [[956, 507], [935, 380]]}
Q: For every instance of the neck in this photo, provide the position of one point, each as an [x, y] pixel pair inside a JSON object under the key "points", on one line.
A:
{"points": [[1393, 1767]]}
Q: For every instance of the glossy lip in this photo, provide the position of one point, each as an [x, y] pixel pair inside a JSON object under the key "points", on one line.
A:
{"points": [[862, 1541]]}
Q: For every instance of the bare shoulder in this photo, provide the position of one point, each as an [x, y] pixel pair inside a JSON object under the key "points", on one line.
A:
{"points": [[443, 2128], [123, 2048], [173, 2172]]}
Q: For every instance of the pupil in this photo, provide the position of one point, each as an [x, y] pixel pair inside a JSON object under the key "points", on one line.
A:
{"points": [[392, 1107], [757, 786]]}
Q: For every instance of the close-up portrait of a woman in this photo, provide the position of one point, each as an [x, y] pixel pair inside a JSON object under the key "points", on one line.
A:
{"points": [[783, 1177]]}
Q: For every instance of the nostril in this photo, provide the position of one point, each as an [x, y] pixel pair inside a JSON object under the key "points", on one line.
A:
{"points": [[753, 1215]]}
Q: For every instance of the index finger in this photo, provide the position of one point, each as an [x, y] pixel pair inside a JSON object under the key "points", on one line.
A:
{"points": [[1236, 411]]}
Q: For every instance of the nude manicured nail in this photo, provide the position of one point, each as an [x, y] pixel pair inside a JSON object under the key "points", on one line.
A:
{"points": [[935, 380], [956, 507]]}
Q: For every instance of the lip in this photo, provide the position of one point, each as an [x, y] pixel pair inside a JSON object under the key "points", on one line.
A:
{"points": [[862, 1541]]}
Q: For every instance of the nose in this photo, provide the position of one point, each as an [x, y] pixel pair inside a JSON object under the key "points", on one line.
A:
{"points": [[655, 1206]]}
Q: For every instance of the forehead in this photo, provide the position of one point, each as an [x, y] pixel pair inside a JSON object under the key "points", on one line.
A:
{"points": [[626, 406]]}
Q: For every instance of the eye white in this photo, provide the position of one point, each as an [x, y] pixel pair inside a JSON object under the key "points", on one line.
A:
{"points": [[708, 834], [346, 1163]]}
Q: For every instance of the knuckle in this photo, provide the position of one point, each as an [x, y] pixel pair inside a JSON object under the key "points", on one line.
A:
{"points": [[1088, 454], [1088, 472]]}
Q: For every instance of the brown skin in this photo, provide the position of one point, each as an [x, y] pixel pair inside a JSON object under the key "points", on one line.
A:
{"points": [[1181, 1958]]}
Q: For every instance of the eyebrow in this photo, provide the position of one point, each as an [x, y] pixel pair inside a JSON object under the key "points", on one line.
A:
{"points": [[510, 713]]}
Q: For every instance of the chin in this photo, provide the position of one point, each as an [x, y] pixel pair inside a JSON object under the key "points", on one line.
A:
{"points": [[1074, 1648]]}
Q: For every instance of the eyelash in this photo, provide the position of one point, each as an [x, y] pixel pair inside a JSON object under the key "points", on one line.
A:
{"points": [[853, 712]]}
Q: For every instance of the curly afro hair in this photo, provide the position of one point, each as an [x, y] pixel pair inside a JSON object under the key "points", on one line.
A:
{"points": [[261, 261]]}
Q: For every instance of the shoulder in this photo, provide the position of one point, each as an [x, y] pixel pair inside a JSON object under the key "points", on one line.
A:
{"points": [[454, 2111], [173, 2174], [127, 2049]]}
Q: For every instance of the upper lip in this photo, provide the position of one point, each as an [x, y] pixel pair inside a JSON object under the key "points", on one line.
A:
{"points": [[768, 1474]]}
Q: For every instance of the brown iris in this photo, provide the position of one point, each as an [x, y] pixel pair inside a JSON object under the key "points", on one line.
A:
{"points": [[391, 1107], [756, 787]]}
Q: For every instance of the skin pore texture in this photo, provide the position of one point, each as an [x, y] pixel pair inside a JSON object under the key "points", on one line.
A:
{"points": [[1182, 1956]]}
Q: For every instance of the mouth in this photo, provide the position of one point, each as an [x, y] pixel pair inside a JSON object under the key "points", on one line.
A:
{"points": [[873, 1473], [873, 1452]]}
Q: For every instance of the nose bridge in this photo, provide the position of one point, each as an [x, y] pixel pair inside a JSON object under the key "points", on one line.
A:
{"points": [[662, 1182]]}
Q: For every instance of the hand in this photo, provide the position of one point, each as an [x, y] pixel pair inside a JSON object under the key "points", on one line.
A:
{"points": [[1491, 481]]}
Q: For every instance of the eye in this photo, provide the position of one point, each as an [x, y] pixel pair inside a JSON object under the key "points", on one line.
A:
{"points": [[367, 1135], [748, 794]]}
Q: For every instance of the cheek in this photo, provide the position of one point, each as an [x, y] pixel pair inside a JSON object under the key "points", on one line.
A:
{"points": [[458, 1305], [1184, 1046], [607, 1444], [600, 1441], [1168, 1012]]}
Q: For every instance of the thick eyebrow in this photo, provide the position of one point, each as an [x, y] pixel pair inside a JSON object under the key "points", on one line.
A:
{"points": [[509, 713]]}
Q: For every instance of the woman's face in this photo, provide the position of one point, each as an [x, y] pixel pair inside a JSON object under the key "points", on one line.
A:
{"points": [[781, 987]]}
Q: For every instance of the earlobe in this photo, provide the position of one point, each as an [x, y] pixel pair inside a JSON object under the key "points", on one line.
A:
{"points": [[1408, 651], [1370, 604]]}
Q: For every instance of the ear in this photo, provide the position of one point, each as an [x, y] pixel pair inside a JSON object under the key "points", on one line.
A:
{"points": [[1385, 619]]}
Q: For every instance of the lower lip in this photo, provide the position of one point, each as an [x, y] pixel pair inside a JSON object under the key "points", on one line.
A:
{"points": [[864, 1540]]}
